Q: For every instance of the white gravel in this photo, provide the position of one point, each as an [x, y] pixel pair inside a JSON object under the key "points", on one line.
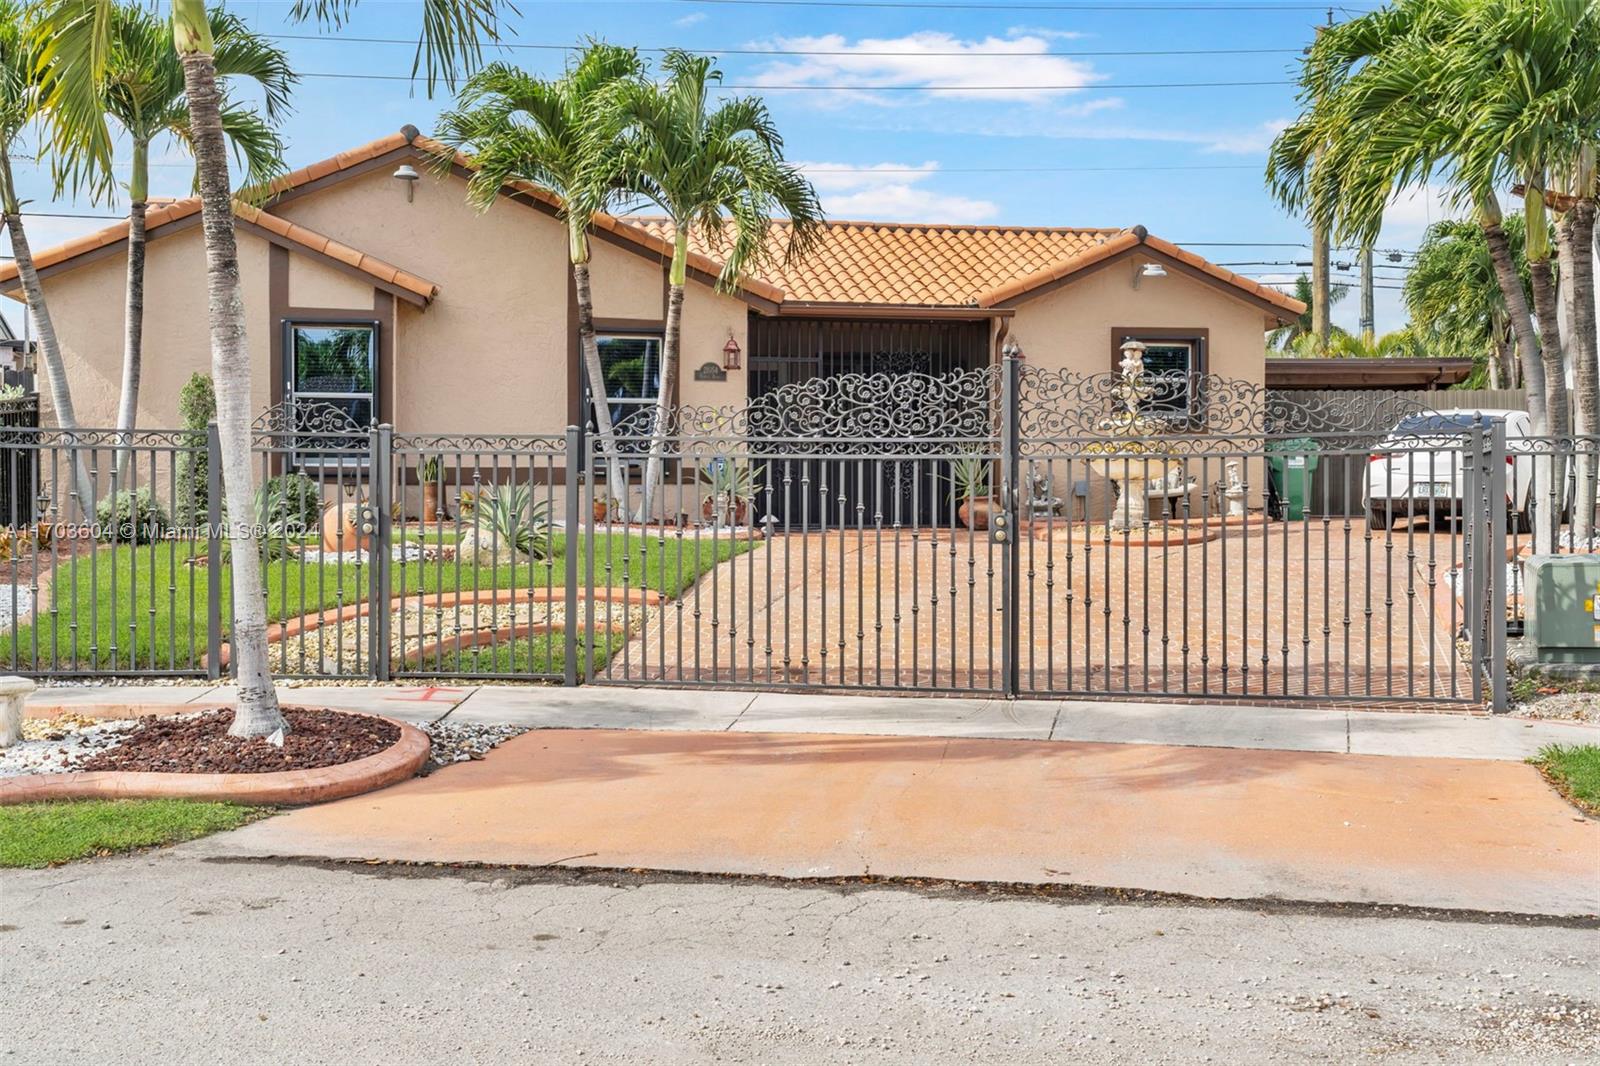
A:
{"points": [[16, 605], [463, 742], [407, 552], [57, 745]]}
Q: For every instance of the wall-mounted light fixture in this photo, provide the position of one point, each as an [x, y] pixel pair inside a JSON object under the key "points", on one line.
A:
{"points": [[730, 353], [1147, 270], [407, 173]]}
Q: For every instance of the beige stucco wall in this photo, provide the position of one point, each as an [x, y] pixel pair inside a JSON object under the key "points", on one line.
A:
{"points": [[1070, 328], [314, 284], [625, 285], [86, 306]]}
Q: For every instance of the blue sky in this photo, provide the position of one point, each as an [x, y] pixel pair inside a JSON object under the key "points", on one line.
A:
{"points": [[974, 113]]}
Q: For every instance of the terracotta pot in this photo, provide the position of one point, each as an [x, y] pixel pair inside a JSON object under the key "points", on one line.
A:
{"points": [[339, 532], [974, 514], [432, 507], [737, 515]]}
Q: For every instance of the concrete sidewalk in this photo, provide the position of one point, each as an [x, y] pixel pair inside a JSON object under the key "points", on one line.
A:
{"points": [[1216, 823], [1305, 729]]}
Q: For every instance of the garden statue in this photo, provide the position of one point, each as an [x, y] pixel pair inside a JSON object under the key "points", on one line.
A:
{"points": [[1041, 504], [1234, 491]]}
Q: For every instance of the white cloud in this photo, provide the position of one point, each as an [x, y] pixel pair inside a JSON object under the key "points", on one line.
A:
{"points": [[974, 70], [690, 20], [1245, 142], [1410, 214], [892, 192]]}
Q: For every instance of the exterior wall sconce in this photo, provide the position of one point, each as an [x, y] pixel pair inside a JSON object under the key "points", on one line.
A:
{"points": [[730, 353], [1147, 270], [407, 173]]}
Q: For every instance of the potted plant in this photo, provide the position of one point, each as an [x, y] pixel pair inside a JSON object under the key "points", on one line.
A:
{"points": [[730, 486], [607, 505], [428, 473], [969, 490]]}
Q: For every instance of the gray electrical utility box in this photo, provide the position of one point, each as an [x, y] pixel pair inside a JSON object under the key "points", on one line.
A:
{"points": [[1561, 607]]}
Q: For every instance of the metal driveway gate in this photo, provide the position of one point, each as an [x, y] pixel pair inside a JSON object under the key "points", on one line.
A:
{"points": [[1010, 530]]}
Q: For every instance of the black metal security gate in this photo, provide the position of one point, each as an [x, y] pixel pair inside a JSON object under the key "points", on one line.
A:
{"points": [[818, 364], [1011, 530]]}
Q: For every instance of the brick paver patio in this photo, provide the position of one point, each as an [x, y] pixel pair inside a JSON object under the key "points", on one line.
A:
{"points": [[1286, 610]]}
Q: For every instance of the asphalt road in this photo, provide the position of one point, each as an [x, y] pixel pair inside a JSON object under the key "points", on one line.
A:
{"points": [[166, 958]]}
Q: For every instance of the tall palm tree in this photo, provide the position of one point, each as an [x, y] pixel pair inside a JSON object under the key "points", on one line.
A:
{"points": [[143, 95], [720, 169], [555, 133], [75, 47], [1288, 336], [1451, 286], [20, 99], [1400, 70]]}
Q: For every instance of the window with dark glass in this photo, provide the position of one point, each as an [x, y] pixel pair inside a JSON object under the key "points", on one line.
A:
{"points": [[631, 367], [332, 382], [1170, 366]]}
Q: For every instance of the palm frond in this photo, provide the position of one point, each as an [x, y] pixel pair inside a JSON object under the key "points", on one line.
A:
{"points": [[450, 43]]}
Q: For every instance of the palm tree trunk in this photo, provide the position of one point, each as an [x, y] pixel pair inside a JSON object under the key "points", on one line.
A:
{"points": [[133, 338], [669, 371], [616, 486], [258, 713], [49, 343], [1505, 272], [1577, 266]]}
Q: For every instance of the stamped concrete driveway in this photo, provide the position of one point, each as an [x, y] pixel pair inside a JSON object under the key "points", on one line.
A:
{"points": [[1319, 608]]}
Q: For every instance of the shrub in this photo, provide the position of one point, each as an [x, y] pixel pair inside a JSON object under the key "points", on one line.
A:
{"points": [[130, 518], [296, 504], [197, 407]]}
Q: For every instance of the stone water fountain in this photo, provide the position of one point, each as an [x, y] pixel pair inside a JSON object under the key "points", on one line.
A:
{"points": [[1129, 427]]}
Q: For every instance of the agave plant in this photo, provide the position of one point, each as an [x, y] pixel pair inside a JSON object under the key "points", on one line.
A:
{"points": [[731, 480], [969, 479], [510, 515]]}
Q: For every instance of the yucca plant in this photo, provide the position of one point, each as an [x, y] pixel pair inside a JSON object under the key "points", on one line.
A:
{"points": [[512, 517], [969, 479]]}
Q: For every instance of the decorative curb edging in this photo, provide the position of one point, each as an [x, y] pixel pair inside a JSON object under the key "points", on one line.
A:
{"points": [[282, 632], [396, 763]]}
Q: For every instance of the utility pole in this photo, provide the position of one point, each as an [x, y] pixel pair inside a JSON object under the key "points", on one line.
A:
{"points": [[1368, 323]]}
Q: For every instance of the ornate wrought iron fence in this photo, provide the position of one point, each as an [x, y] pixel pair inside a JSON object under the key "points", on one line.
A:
{"points": [[1002, 531]]}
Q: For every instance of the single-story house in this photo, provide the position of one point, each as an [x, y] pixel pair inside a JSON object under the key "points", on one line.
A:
{"points": [[372, 284]]}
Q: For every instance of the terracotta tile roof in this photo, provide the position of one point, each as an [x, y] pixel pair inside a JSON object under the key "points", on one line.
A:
{"points": [[895, 263], [177, 210]]}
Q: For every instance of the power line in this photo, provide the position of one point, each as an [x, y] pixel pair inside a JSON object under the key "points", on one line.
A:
{"points": [[965, 53]]}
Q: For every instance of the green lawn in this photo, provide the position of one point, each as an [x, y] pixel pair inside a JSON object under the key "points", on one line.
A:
{"points": [[44, 834], [144, 607], [1574, 769], [543, 654]]}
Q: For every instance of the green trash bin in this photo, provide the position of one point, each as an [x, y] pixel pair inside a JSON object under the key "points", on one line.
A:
{"points": [[1290, 467]]}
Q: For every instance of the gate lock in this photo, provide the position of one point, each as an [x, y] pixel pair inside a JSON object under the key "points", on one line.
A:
{"points": [[367, 519], [998, 531]]}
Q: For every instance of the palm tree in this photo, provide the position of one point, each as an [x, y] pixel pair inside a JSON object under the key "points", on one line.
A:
{"points": [[555, 133], [143, 95], [1400, 70], [1452, 287], [1289, 336], [75, 46], [716, 169], [20, 98]]}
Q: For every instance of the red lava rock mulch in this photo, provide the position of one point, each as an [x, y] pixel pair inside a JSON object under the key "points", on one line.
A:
{"points": [[200, 744]]}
